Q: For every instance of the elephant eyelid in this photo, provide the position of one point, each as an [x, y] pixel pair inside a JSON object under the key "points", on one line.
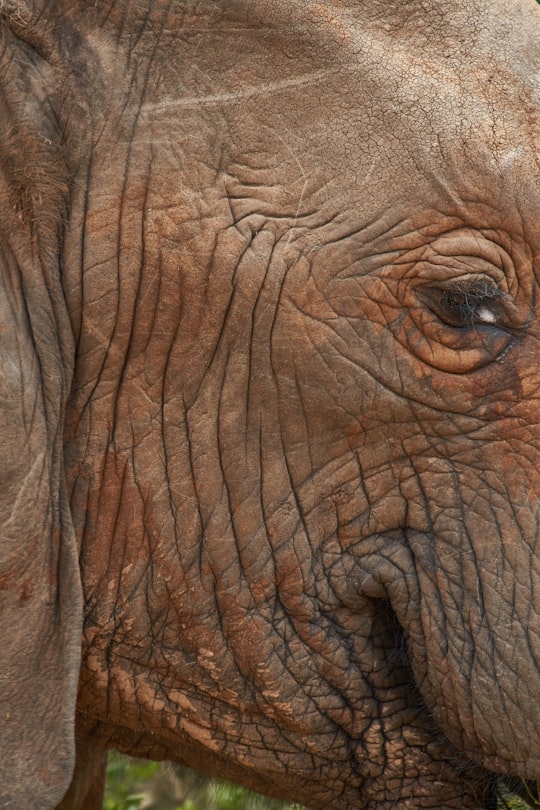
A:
{"points": [[466, 304]]}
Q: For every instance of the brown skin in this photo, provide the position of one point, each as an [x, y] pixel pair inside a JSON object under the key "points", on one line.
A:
{"points": [[269, 310]]}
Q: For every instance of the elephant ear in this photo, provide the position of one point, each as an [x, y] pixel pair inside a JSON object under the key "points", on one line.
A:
{"points": [[40, 590]]}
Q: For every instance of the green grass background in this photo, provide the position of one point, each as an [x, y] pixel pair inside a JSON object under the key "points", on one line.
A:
{"points": [[131, 781]]}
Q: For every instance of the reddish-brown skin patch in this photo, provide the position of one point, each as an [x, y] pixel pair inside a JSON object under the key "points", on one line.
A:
{"points": [[269, 451]]}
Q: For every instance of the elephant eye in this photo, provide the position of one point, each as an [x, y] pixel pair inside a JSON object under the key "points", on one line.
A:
{"points": [[466, 304]]}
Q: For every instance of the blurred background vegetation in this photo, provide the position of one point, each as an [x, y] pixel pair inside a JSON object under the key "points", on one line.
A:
{"points": [[136, 784]]}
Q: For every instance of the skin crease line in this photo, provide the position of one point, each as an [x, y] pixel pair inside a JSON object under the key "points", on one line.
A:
{"points": [[270, 397], [251, 92]]}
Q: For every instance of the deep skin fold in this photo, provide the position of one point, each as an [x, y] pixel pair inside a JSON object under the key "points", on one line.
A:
{"points": [[304, 501]]}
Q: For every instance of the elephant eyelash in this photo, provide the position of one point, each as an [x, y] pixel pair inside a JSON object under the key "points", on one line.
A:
{"points": [[462, 304]]}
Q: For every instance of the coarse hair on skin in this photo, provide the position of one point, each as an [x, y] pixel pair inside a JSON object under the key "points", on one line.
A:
{"points": [[35, 175], [34, 180], [30, 27], [15, 10]]}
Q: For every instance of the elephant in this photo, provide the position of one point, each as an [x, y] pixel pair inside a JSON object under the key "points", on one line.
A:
{"points": [[270, 397]]}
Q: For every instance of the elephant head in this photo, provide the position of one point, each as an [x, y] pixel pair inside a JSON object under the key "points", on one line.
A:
{"points": [[270, 406]]}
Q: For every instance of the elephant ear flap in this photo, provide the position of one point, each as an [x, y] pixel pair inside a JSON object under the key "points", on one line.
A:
{"points": [[40, 590]]}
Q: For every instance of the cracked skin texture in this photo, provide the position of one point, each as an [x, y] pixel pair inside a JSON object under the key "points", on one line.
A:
{"points": [[270, 396]]}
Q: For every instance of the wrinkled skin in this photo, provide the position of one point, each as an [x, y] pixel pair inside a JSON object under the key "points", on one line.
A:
{"points": [[270, 403]]}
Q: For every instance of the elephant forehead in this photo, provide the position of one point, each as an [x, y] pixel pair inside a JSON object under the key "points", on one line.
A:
{"points": [[352, 91]]}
